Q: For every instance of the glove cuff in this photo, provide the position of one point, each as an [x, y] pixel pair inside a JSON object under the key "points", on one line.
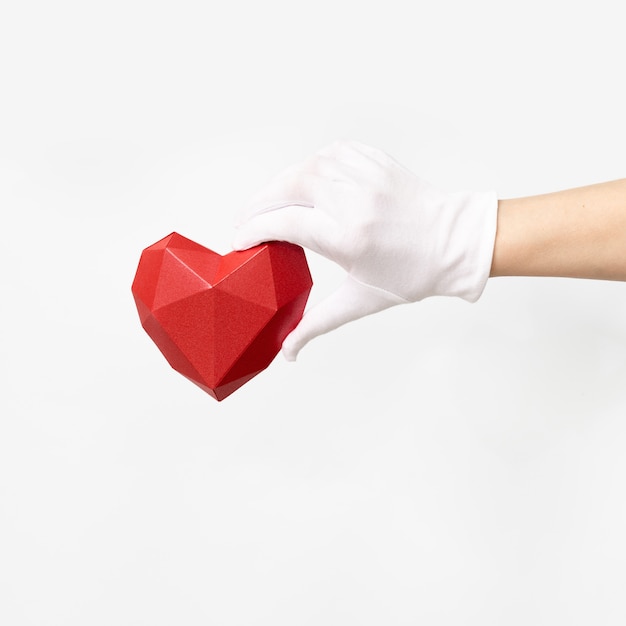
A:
{"points": [[471, 245]]}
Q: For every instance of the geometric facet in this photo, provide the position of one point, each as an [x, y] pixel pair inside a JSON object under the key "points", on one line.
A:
{"points": [[220, 320]]}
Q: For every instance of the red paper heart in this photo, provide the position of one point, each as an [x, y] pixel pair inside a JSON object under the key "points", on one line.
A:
{"points": [[220, 320]]}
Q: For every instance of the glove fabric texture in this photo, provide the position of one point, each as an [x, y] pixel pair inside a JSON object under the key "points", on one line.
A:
{"points": [[399, 238]]}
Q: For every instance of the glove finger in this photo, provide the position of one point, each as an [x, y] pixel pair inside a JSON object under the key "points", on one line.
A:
{"points": [[302, 184], [351, 301], [296, 186], [302, 225], [331, 169], [354, 154]]}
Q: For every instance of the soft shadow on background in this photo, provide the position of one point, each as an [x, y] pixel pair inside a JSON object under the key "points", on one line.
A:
{"points": [[440, 463]]}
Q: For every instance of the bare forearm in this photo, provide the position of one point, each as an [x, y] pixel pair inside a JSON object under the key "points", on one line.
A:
{"points": [[576, 233]]}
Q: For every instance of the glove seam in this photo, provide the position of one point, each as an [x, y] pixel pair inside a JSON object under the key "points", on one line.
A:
{"points": [[384, 292]]}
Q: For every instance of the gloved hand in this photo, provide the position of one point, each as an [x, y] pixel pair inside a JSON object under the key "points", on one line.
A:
{"points": [[399, 238]]}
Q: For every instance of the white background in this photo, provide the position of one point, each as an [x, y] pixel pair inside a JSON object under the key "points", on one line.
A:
{"points": [[440, 463]]}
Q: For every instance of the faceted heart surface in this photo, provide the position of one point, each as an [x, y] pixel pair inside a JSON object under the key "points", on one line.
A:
{"points": [[220, 320]]}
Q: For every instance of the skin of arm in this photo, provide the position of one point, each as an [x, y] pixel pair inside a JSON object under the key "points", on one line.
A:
{"points": [[576, 233]]}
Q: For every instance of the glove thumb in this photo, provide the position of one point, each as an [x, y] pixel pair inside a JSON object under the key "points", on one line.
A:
{"points": [[351, 301]]}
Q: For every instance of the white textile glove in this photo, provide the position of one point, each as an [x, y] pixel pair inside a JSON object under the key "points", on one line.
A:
{"points": [[399, 238]]}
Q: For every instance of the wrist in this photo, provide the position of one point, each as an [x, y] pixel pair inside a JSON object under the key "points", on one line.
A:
{"points": [[576, 233]]}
